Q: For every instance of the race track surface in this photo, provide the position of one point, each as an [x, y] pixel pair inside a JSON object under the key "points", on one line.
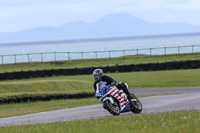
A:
{"points": [[188, 100], [166, 90]]}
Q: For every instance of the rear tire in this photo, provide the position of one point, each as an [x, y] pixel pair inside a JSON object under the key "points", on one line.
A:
{"points": [[137, 105], [112, 108]]}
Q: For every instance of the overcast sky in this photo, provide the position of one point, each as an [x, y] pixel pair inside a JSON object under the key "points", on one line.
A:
{"points": [[16, 15]]}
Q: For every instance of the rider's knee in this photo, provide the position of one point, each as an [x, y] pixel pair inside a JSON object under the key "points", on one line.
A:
{"points": [[122, 85]]}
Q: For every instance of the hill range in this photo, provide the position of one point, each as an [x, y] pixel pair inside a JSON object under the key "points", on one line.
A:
{"points": [[115, 25]]}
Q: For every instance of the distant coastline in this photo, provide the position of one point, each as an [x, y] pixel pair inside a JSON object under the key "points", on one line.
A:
{"points": [[38, 42]]}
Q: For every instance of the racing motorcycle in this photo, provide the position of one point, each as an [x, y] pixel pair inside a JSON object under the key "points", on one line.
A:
{"points": [[115, 100]]}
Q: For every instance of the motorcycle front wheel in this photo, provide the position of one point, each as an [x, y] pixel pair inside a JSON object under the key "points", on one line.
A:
{"points": [[137, 105], [112, 108]]}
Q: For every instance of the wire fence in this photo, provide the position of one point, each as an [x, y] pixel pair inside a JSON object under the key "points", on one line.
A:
{"points": [[58, 56]]}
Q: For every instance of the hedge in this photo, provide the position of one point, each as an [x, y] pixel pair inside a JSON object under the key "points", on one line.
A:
{"points": [[35, 98], [118, 68]]}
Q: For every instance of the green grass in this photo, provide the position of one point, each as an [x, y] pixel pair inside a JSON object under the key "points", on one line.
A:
{"points": [[84, 83], [177, 122], [8, 110], [136, 59], [44, 87]]}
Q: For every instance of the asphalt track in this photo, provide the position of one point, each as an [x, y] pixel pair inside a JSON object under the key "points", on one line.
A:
{"points": [[189, 99]]}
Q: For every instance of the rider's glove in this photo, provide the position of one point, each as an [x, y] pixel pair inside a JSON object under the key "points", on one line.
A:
{"points": [[113, 83]]}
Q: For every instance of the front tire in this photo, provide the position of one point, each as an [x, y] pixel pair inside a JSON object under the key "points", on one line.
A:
{"points": [[112, 108], [137, 106]]}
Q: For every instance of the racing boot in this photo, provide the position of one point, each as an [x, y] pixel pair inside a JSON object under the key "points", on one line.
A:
{"points": [[131, 98]]}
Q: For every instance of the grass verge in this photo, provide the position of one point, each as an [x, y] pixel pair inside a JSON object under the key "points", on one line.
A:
{"points": [[177, 122], [8, 110], [44, 86]]}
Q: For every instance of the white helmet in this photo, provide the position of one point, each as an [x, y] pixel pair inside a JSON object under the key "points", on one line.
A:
{"points": [[98, 73]]}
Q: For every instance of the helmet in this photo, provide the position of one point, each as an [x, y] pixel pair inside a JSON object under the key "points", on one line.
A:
{"points": [[98, 73]]}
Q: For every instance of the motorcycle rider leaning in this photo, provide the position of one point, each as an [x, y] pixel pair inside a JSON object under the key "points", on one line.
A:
{"points": [[99, 76]]}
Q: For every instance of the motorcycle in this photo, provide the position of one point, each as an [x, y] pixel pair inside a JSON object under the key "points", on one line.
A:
{"points": [[115, 101]]}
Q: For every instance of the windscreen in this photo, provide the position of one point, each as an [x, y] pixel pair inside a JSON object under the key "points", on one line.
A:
{"points": [[100, 89], [100, 84]]}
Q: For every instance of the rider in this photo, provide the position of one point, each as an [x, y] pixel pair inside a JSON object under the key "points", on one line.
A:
{"points": [[98, 76]]}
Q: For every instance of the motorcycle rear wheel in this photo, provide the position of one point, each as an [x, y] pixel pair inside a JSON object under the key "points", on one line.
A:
{"points": [[137, 105], [112, 108]]}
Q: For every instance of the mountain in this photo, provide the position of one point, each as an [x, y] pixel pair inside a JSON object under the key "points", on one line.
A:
{"points": [[122, 24]]}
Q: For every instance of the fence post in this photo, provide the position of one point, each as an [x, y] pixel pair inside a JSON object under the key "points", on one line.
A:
{"points": [[2, 59], [82, 54], [192, 48], [28, 57], [68, 56], [178, 50], [96, 54], [15, 59], [165, 49], [150, 51], [109, 54], [41, 57], [137, 51], [55, 56], [124, 54]]}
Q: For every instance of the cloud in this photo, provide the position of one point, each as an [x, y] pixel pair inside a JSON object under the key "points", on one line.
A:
{"points": [[55, 13], [184, 5], [29, 7]]}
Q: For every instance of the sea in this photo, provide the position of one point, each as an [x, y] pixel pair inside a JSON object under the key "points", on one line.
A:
{"points": [[98, 48]]}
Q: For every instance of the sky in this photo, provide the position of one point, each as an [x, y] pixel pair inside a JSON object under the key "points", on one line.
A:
{"points": [[17, 15]]}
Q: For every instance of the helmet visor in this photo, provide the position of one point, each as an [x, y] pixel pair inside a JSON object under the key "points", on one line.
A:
{"points": [[96, 77]]}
